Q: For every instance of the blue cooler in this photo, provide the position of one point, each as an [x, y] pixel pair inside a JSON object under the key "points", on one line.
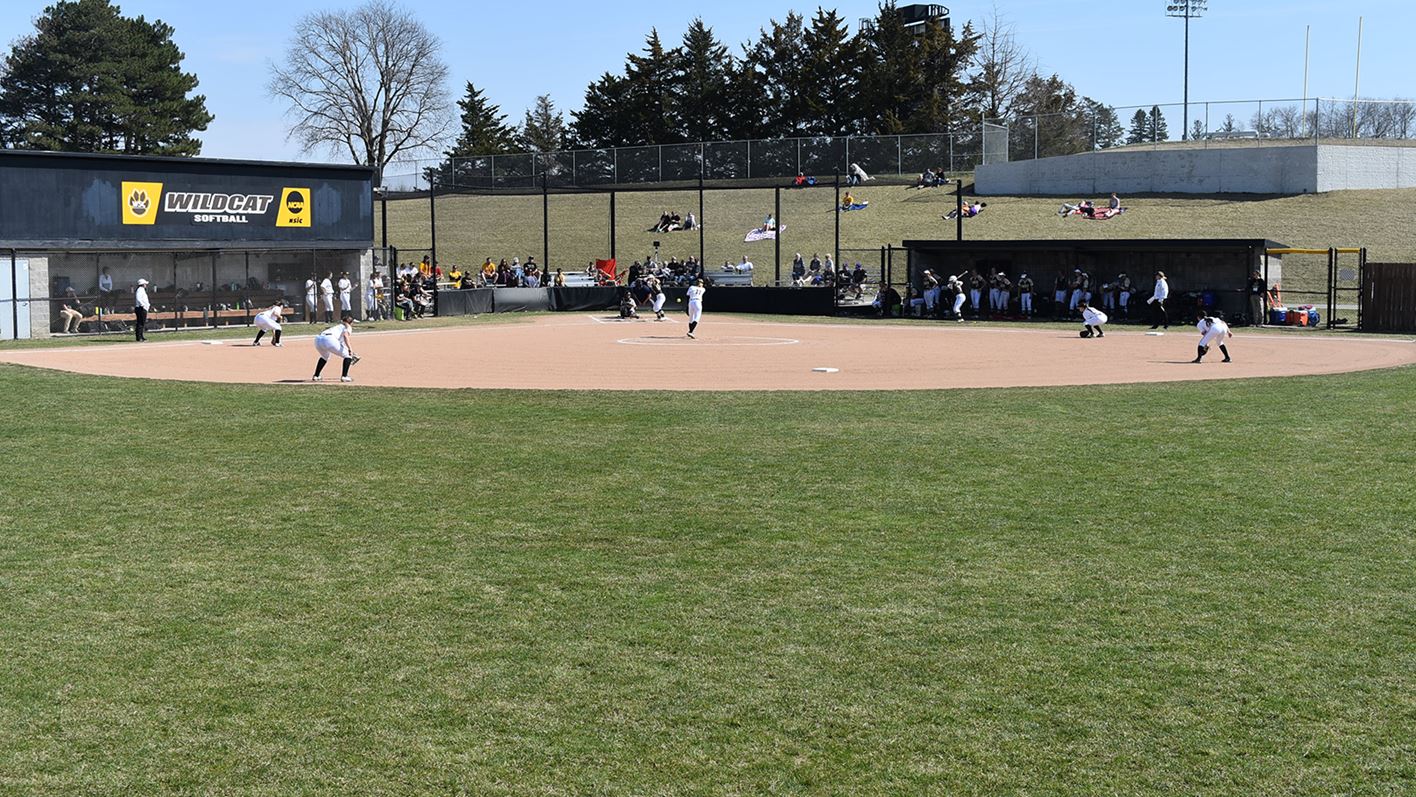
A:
{"points": [[1312, 318], [1278, 318]]}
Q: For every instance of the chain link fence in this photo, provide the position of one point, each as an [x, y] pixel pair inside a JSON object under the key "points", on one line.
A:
{"points": [[1206, 124], [767, 159]]}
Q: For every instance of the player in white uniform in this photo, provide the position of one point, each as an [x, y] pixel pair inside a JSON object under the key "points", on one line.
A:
{"points": [[1213, 331], [327, 296], [656, 292], [346, 288], [1093, 319], [334, 342], [268, 321], [312, 313], [695, 305]]}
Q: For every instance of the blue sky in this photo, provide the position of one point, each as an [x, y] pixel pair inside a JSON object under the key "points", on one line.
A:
{"points": [[1125, 52]]}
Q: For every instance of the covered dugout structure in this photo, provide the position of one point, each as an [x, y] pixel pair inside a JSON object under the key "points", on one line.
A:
{"points": [[217, 239], [1212, 273]]}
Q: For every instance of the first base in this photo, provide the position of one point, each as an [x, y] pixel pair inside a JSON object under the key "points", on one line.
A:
{"points": [[826, 370], [213, 342], [1157, 334]]}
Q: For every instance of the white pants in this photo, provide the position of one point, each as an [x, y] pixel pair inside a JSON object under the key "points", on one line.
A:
{"points": [[695, 311], [1214, 336], [958, 303], [931, 298], [263, 322], [330, 348], [328, 302], [659, 302], [1026, 299], [310, 302], [344, 301]]}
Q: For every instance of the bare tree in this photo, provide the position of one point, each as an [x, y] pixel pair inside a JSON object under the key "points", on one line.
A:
{"points": [[366, 81], [1002, 67]]}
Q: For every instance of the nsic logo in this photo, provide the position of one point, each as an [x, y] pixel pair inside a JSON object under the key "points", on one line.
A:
{"points": [[140, 201], [294, 209]]}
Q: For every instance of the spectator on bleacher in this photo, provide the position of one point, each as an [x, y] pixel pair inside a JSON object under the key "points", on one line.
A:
{"points": [[518, 273], [815, 265], [468, 281], [829, 266], [533, 276], [798, 268], [858, 278], [454, 275], [560, 279], [745, 265], [489, 272]]}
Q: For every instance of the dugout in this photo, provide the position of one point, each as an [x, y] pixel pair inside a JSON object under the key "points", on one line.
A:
{"points": [[1204, 272], [216, 239]]}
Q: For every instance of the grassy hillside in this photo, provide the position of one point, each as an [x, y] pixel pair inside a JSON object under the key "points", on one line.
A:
{"points": [[472, 228]]}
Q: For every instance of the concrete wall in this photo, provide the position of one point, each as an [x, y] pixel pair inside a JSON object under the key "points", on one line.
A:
{"points": [[39, 286], [1285, 169], [1358, 167]]}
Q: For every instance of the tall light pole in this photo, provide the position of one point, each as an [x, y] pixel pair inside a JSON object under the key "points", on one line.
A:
{"points": [[1187, 10]]}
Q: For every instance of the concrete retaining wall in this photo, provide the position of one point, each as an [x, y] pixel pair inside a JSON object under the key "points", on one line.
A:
{"points": [[1284, 169]]}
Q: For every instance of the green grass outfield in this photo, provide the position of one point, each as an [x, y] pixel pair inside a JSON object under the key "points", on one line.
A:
{"points": [[1197, 589]]}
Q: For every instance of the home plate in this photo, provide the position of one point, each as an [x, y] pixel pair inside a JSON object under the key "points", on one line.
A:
{"points": [[826, 370]]}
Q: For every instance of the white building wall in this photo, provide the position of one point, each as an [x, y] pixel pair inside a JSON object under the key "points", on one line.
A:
{"points": [[1257, 169]]}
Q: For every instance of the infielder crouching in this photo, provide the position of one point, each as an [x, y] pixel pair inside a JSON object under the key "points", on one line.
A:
{"points": [[334, 342], [1093, 319], [268, 321], [1213, 331]]}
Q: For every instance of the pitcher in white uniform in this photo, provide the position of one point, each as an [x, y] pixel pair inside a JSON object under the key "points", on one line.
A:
{"points": [[1213, 331], [268, 321], [695, 305], [334, 342]]}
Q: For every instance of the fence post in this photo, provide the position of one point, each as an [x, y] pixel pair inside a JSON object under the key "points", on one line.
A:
{"points": [[749, 159], [545, 220], [777, 239], [612, 225], [900, 155], [798, 154], [847, 165], [661, 162], [432, 241], [1037, 134], [616, 152]]}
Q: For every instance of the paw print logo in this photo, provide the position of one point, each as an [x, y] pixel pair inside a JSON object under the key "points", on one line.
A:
{"points": [[138, 202]]}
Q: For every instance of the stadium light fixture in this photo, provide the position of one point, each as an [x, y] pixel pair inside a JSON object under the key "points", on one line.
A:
{"points": [[1187, 10]]}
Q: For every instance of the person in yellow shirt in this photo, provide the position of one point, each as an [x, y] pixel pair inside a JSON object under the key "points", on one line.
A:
{"points": [[847, 201], [489, 272], [455, 276]]}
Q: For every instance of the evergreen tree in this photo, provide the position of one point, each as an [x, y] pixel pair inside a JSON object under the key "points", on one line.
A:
{"points": [[1107, 131], [1156, 126], [601, 122], [832, 76], [543, 129], [891, 78], [1063, 123], [484, 127], [939, 95], [1197, 130], [701, 87], [649, 94], [92, 80], [1140, 131], [779, 58]]}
